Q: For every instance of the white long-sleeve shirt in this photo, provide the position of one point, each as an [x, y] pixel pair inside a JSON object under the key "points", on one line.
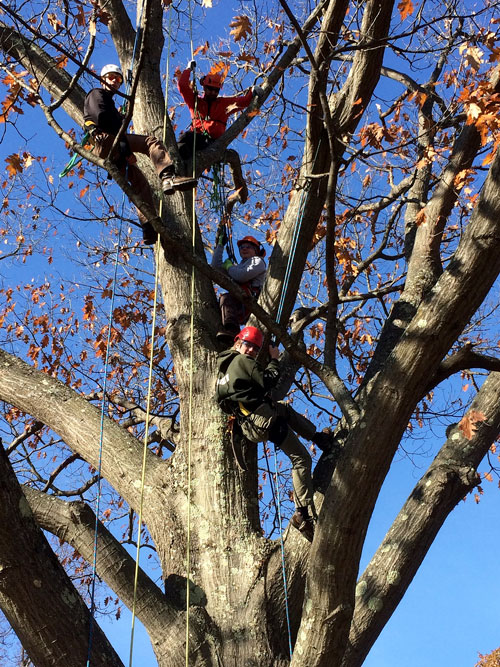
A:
{"points": [[251, 270]]}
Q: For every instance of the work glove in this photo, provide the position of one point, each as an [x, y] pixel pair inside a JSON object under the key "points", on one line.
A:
{"points": [[221, 236], [227, 264], [95, 133], [191, 64], [257, 90]]}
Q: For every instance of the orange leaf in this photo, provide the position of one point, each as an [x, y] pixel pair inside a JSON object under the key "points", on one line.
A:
{"points": [[406, 8], [201, 49], [468, 423], [13, 164], [241, 27], [421, 217]]}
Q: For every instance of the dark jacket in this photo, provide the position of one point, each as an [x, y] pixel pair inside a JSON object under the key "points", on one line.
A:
{"points": [[100, 109], [242, 379]]}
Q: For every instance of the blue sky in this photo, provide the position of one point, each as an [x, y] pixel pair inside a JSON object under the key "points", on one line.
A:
{"points": [[451, 609]]}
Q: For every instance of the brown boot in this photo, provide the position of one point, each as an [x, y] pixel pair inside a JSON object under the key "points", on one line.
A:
{"points": [[303, 522]]}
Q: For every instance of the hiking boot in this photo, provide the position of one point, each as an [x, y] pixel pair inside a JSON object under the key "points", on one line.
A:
{"points": [[226, 336], [167, 185], [304, 524], [324, 439], [171, 184], [183, 183], [149, 235]]}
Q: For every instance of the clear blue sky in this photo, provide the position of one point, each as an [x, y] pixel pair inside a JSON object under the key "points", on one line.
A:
{"points": [[451, 609]]}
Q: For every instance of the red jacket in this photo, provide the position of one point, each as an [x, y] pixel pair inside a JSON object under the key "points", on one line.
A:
{"points": [[211, 117]]}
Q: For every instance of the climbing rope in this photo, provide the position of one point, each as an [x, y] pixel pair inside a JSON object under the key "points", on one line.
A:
{"points": [[151, 356], [282, 545], [191, 362], [293, 248], [104, 393], [101, 438]]}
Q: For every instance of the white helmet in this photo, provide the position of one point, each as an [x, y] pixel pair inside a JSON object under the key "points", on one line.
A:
{"points": [[108, 69]]}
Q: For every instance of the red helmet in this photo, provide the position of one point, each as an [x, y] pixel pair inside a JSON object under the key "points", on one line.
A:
{"points": [[251, 239], [212, 80], [252, 335]]}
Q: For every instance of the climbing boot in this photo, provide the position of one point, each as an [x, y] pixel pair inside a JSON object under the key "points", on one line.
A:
{"points": [[304, 523], [171, 184], [325, 440], [149, 235], [226, 335]]}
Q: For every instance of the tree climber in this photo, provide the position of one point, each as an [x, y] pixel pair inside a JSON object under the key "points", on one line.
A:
{"points": [[209, 113], [103, 122], [242, 389], [249, 273]]}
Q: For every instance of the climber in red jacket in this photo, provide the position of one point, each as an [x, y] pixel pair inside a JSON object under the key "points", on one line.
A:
{"points": [[209, 113]]}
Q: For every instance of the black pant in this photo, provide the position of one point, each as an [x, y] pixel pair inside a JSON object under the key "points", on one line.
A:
{"points": [[187, 140]]}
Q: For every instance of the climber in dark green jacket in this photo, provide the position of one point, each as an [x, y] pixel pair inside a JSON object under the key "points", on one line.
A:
{"points": [[243, 387]]}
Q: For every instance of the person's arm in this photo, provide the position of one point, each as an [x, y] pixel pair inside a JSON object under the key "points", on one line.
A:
{"points": [[217, 260], [248, 270], [237, 103], [185, 89]]}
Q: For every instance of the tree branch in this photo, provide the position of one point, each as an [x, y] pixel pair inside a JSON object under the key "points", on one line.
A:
{"points": [[452, 475], [44, 604]]}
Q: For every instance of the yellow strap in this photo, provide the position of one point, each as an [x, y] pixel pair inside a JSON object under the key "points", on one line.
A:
{"points": [[243, 409]]}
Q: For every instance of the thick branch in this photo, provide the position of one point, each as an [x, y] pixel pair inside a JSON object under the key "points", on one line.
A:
{"points": [[450, 477], [462, 360], [78, 424], [36, 594], [74, 522]]}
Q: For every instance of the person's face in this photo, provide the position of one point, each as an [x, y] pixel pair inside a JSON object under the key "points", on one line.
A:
{"points": [[112, 81], [210, 92], [247, 348], [247, 250]]}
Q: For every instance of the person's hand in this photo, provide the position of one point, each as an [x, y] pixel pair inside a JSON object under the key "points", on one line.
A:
{"points": [[227, 264], [96, 134], [274, 352], [221, 236], [191, 64]]}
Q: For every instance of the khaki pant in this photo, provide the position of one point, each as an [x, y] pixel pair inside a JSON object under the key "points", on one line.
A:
{"points": [[256, 427], [150, 146]]}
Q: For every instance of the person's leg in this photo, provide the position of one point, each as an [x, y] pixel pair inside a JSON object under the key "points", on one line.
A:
{"points": [[300, 424], [141, 186], [231, 311], [157, 153], [283, 437], [187, 143]]}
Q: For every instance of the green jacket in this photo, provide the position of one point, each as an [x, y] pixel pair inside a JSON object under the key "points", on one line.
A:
{"points": [[241, 379]]}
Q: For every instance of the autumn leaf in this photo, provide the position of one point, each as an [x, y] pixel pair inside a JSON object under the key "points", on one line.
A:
{"points": [[468, 423], [201, 49], [421, 217], [80, 16], [241, 27], [14, 165], [488, 476], [405, 8], [54, 22]]}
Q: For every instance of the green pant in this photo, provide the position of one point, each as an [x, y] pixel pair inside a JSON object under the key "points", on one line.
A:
{"points": [[263, 424]]}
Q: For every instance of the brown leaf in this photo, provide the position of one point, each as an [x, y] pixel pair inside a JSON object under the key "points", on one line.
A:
{"points": [[14, 165], [468, 423], [241, 27]]}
